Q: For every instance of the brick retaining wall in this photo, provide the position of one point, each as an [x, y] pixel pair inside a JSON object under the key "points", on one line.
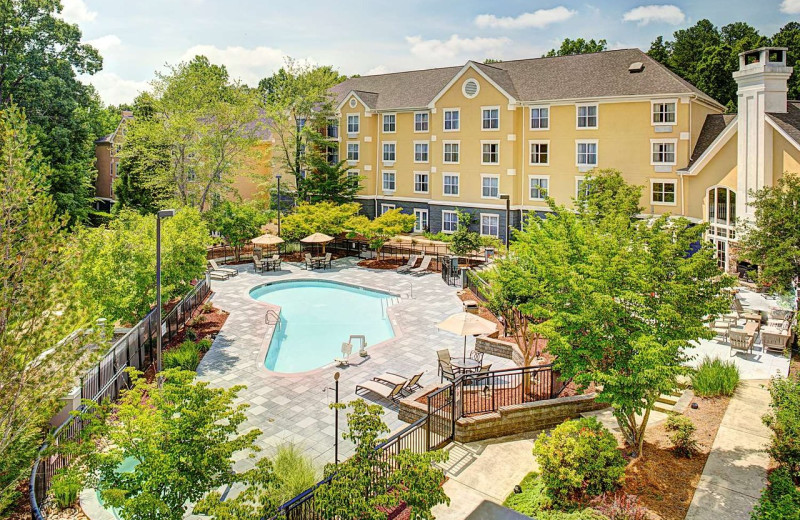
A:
{"points": [[494, 347]]}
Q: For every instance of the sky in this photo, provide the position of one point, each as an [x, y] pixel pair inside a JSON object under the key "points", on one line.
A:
{"points": [[252, 38]]}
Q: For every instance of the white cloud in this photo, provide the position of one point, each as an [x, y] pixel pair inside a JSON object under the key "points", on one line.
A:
{"points": [[790, 6], [113, 89], [538, 19], [455, 46], [646, 14], [104, 43], [380, 69], [249, 65], [76, 11]]}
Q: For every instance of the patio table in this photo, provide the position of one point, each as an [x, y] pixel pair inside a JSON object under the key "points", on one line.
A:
{"points": [[465, 365], [317, 261]]}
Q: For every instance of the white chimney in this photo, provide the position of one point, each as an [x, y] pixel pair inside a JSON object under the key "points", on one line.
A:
{"points": [[762, 80]]}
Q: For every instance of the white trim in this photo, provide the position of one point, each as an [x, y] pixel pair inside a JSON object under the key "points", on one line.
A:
{"points": [[347, 124], [578, 180], [674, 182], [347, 98], [357, 150], [530, 116], [532, 142], [684, 98], [653, 102], [383, 181], [597, 152], [671, 141], [427, 219], [480, 224], [781, 131], [384, 160], [490, 176], [428, 174], [464, 88], [444, 144], [387, 207], [383, 122], [596, 117], [428, 152], [414, 122], [712, 149], [490, 141], [449, 212], [490, 107], [457, 176], [444, 112], [539, 177], [466, 67]]}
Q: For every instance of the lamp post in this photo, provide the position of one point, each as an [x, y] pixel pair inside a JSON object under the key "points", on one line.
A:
{"points": [[164, 213], [336, 420], [278, 176], [507, 198]]}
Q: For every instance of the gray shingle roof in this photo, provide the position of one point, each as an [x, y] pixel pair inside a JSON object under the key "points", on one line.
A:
{"points": [[790, 121], [582, 76], [712, 127]]}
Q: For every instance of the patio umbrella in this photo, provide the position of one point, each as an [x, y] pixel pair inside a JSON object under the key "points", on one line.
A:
{"points": [[267, 239], [467, 324], [317, 238]]}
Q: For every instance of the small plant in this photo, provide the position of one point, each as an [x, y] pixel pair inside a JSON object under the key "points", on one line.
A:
{"points": [[784, 421], [191, 335], [197, 320], [66, 486], [620, 506], [185, 357], [715, 378], [208, 307], [294, 471], [532, 500], [204, 345], [682, 436], [780, 500]]}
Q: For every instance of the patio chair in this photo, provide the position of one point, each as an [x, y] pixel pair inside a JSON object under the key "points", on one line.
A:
{"points": [[275, 262], [347, 349], [447, 371], [443, 355], [412, 383], [215, 267], [773, 342], [309, 264], [393, 392], [481, 375], [391, 379], [412, 261], [722, 326], [258, 265], [477, 356], [328, 261], [217, 275], [423, 267], [741, 341], [743, 314]]}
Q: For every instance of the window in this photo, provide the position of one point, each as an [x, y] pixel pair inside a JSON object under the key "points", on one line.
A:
{"points": [[420, 182], [449, 221], [490, 225], [721, 203], [333, 154], [581, 187], [663, 152], [352, 151], [538, 187], [420, 121], [389, 181], [353, 174], [352, 123], [664, 112], [662, 192], [587, 116], [387, 207], [587, 153], [389, 123], [451, 152], [490, 187], [470, 88], [333, 130], [389, 152], [540, 118], [353, 102], [540, 152], [420, 220], [450, 184], [490, 118], [420, 152], [490, 153], [452, 120]]}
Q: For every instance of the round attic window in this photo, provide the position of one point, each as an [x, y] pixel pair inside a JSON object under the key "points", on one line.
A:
{"points": [[470, 88], [353, 102]]}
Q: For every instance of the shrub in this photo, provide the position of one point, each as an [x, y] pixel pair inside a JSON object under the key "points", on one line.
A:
{"points": [[620, 506], [294, 471], [534, 502], [784, 421], [204, 345], [66, 486], [682, 436], [191, 335], [208, 306], [198, 319], [714, 378], [780, 500], [579, 458], [185, 357]]}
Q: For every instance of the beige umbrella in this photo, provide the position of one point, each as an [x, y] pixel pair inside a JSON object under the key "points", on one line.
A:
{"points": [[267, 239], [467, 324], [317, 238]]}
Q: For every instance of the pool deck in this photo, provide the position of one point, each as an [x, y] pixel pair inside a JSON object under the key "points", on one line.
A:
{"points": [[294, 407]]}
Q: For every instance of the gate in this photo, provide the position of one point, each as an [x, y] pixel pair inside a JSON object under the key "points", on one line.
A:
{"points": [[443, 406]]}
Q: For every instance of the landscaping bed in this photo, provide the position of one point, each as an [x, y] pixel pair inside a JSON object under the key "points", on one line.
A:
{"points": [[376, 263]]}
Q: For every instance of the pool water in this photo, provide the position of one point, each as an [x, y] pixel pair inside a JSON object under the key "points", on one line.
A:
{"points": [[317, 317]]}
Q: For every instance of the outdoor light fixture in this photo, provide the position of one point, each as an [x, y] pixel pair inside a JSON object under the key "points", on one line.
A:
{"points": [[164, 213], [336, 421], [507, 198], [517, 489], [278, 177]]}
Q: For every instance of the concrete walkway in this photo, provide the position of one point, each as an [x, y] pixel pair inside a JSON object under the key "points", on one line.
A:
{"points": [[736, 469]]}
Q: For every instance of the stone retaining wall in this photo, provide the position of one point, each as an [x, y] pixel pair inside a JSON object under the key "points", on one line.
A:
{"points": [[494, 347]]}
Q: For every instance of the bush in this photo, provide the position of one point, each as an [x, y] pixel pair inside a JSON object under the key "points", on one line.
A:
{"points": [[534, 502], [784, 421], [619, 506], [578, 459], [208, 306], [191, 334], [204, 345], [185, 357], [780, 500], [682, 436], [714, 378], [439, 237], [65, 487], [294, 471]]}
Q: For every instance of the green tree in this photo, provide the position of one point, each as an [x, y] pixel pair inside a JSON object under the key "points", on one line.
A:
{"points": [[789, 36], [323, 217], [237, 222], [489, 61], [578, 46], [365, 486], [37, 310], [328, 182], [607, 193], [659, 50], [464, 241], [381, 229]]}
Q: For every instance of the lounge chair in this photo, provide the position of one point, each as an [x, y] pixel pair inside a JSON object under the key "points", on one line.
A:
{"points": [[443, 355], [217, 275], [389, 392], [741, 341], [413, 382], [347, 349], [412, 261], [390, 378], [215, 267], [423, 267]]}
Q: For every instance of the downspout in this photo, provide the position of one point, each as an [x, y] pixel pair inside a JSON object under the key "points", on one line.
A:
{"points": [[523, 180], [379, 127], [688, 158]]}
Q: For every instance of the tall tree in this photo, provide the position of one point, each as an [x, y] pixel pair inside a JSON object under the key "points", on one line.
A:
{"points": [[578, 46], [328, 182], [237, 222], [789, 36]]}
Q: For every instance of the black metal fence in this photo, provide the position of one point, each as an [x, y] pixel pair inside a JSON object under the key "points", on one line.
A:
{"points": [[476, 284], [105, 380]]}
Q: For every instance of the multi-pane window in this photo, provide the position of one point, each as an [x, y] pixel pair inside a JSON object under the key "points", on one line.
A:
{"points": [[421, 122], [540, 118], [421, 182], [490, 153], [449, 221], [452, 120], [353, 175], [538, 187], [587, 154], [664, 113], [353, 123], [389, 181], [490, 187], [451, 152], [582, 188], [420, 220], [490, 225], [664, 152], [352, 151], [387, 207], [420, 152], [333, 154], [333, 130], [490, 119], [662, 192], [389, 152], [450, 184], [587, 116], [389, 123], [540, 153]]}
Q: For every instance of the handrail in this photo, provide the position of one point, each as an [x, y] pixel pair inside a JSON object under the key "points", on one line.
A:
{"points": [[276, 315]]}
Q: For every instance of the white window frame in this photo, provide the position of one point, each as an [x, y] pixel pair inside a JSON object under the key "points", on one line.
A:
{"points": [[490, 176], [357, 148], [449, 212], [427, 182], [387, 207], [490, 215], [655, 102], [498, 119], [354, 173], [539, 178], [417, 219], [596, 117], [383, 123], [578, 180], [530, 118], [444, 118], [674, 183], [393, 173], [596, 152], [358, 124], [497, 142], [427, 152], [444, 146], [530, 152], [458, 184], [427, 123], [673, 142], [383, 152]]}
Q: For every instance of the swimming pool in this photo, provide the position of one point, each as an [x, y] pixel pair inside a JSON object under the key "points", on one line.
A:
{"points": [[317, 317]]}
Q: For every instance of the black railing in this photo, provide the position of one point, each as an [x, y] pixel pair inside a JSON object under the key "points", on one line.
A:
{"points": [[476, 284], [105, 381]]}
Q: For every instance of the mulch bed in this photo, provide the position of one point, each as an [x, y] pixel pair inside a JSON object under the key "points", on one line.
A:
{"points": [[376, 263]]}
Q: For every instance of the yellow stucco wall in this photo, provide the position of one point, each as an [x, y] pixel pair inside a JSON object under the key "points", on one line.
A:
{"points": [[785, 156], [720, 171], [254, 171]]}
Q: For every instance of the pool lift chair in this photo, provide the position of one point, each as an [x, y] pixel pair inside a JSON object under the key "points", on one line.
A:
{"points": [[362, 350], [347, 349]]}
